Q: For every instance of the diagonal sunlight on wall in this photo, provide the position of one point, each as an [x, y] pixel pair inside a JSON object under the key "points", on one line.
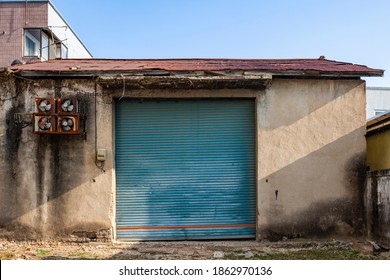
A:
{"points": [[310, 145], [314, 119]]}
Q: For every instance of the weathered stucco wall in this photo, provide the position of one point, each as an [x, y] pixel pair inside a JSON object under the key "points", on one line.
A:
{"points": [[50, 186], [378, 205], [7, 97], [311, 158], [311, 151]]}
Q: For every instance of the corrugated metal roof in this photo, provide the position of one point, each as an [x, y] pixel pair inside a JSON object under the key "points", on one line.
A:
{"points": [[312, 67]]}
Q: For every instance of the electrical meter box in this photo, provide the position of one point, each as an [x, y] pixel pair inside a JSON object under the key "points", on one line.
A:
{"points": [[101, 155]]}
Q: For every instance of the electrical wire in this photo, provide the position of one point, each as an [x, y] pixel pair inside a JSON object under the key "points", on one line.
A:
{"points": [[124, 87], [99, 164], [26, 125]]}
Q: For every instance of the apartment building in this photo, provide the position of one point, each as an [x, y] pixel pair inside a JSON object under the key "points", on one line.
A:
{"points": [[35, 31]]}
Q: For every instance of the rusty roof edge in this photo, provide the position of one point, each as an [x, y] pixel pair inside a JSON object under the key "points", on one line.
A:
{"points": [[98, 73], [322, 73], [187, 75], [201, 59], [237, 74], [294, 67]]}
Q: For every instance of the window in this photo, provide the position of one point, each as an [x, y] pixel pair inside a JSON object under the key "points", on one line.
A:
{"points": [[64, 51], [43, 44], [32, 44]]}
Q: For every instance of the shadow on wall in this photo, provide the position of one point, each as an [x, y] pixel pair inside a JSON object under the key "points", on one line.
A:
{"points": [[311, 176], [321, 194], [51, 186]]}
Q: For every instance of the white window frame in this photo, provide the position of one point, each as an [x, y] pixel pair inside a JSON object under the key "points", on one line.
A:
{"points": [[54, 49], [37, 51], [45, 48]]}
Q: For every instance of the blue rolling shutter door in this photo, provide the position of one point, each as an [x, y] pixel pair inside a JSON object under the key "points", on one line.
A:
{"points": [[185, 169]]}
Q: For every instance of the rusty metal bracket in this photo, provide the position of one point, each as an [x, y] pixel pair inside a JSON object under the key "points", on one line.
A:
{"points": [[23, 119]]}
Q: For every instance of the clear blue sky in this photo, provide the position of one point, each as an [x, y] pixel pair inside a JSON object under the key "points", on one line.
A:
{"points": [[356, 31]]}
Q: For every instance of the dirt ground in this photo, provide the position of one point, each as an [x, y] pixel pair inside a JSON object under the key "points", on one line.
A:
{"points": [[194, 250]]}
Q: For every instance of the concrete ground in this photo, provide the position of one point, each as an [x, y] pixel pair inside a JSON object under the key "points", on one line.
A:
{"points": [[192, 250]]}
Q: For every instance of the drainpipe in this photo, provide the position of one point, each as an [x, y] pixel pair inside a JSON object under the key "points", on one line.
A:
{"points": [[25, 14]]}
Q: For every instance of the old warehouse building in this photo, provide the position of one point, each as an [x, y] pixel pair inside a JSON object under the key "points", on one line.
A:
{"points": [[183, 149]]}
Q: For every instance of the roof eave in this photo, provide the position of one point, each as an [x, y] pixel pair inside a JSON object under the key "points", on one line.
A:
{"points": [[162, 72]]}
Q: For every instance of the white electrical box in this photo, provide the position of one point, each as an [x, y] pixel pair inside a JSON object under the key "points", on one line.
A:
{"points": [[101, 154]]}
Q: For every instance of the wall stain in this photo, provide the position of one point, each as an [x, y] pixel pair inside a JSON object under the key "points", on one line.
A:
{"points": [[338, 217], [56, 162], [321, 219], [13, 137], [355, 180]]}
